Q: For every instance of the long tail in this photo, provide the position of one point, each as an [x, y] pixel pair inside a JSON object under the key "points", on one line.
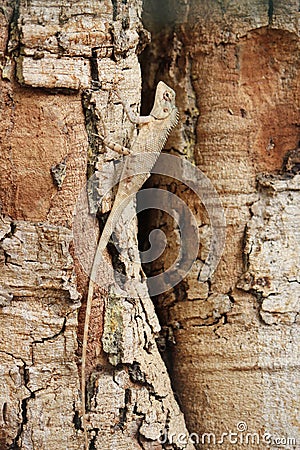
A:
{"points": [[83, 359], [123, 198], [113, 218]]}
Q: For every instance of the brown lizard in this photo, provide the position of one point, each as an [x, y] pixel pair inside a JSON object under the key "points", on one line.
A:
{"points": [[153, 133]]}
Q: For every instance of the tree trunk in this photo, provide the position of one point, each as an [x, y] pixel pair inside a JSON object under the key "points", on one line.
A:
{"points": [[229, 342], [61, 65], [234, 364]]}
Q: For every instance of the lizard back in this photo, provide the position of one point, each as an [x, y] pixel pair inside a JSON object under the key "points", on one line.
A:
{"points": [[148, 145], [145, 151]]}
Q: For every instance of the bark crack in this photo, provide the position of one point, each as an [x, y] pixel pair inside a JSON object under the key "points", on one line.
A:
{"points": [[13, 44], [23, 404], [271, 11], [54, 336]]}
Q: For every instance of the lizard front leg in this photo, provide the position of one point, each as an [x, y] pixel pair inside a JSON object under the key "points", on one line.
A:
{"points": [[107, 142], [132, 115]]}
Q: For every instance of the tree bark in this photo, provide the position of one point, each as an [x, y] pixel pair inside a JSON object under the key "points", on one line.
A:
{"points": [[233, 356], [61, 63], [229, 343]]}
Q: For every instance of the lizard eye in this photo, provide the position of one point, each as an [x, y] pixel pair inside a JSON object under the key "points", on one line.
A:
{"points": [[167, 96]]}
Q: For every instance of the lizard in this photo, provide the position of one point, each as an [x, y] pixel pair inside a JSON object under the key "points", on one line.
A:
{"points": [[154, 130]]}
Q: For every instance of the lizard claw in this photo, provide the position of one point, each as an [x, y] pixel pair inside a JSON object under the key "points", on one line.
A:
{"points": [[99, 136]]}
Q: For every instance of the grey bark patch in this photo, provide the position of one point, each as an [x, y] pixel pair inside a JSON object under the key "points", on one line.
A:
{"points": [[272, 249]]}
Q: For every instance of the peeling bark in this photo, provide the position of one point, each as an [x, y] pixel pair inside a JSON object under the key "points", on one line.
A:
{"points": [[39, 306], [230, 342], [271, 249], [235, 66], [60, 66]]}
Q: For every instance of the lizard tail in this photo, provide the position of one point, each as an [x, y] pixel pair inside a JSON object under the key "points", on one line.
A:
{"points": [[83, 358], [107, 231]]}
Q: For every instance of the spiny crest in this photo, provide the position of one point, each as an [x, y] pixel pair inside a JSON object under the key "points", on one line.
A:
{"points": [[172, 120], [169, 124]]}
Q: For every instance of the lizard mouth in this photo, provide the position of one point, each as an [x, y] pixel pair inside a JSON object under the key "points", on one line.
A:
{"points": [[165, 110]]}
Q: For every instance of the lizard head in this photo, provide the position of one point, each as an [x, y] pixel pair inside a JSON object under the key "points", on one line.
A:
{"points": [[164, 103]]}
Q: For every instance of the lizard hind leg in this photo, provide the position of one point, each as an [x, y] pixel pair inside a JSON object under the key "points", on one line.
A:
{"points": [[116, 147]]}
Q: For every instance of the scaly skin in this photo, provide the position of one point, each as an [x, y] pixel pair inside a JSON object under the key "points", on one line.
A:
{"points": [[154, 131]]}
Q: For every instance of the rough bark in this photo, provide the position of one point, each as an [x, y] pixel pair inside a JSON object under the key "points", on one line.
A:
{"points": [[230, 344], [232, 347], [60, 64]]}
